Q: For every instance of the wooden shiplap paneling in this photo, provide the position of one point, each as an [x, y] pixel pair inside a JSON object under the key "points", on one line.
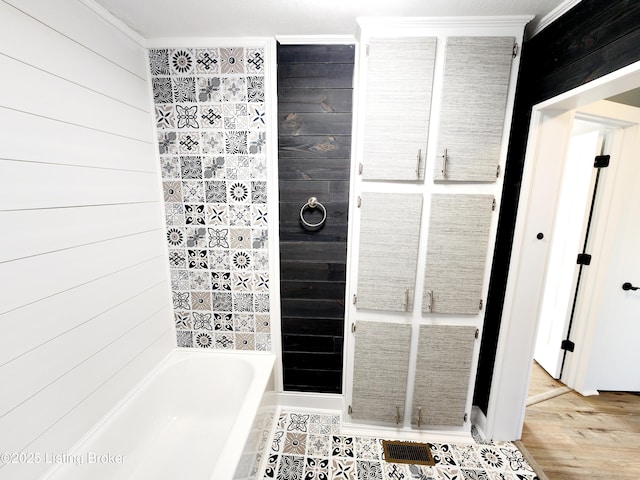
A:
{"points": [[314, 149], [85, 309]]}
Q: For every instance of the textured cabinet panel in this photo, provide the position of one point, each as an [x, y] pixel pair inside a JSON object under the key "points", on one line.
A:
{"points": [[397, 107], [381, 361], [389, 235], [456, 253], [442, 374], [476, 82]]}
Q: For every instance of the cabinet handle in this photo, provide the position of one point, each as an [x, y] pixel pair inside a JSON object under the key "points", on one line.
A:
{"points": [[419, 163], [445, 157], [397, 415], [406, 299], [419, 416], [429, 305]]}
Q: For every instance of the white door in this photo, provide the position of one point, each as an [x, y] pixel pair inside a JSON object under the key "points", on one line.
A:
{"points": [[566, 242], [609, 353]]}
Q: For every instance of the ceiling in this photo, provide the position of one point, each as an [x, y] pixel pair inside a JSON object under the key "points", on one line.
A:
{"points": [[260, 18]]}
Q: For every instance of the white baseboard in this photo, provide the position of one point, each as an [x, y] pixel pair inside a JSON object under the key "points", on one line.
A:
{"points": [[310, 401], [479, 419]]}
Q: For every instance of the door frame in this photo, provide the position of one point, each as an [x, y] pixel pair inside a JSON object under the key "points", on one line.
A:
{"points": [[549, 131]]}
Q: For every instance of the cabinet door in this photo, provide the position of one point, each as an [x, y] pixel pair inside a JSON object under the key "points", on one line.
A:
{"points": [[397, 106], [388, 251], [380, 366], [442, 374], [474, 98], [456, 253]]}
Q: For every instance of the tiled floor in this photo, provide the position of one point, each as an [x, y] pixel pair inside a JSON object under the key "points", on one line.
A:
{"points": [[310, 446]]}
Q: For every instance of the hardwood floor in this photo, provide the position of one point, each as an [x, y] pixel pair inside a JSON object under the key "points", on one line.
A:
{"points": [[573, 437]]}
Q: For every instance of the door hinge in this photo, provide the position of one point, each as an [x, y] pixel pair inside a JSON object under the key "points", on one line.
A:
{"points": [[466, 417], [493, 205], [567, 345], [477, 335], [480, 308], [359, 201], [360, 167], [498, 171], [601, 161], [584, 259], [349, 410], [514, 52], [367, 49], [353, 327], [355, 299]]}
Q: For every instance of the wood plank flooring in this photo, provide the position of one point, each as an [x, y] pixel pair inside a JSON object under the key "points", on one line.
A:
{"points": [[573, 437]]}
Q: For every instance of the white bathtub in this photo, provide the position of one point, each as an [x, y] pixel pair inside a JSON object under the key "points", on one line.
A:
{"points": [[189, 419]]}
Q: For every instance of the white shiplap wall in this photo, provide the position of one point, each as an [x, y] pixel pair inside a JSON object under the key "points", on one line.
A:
{"points": [[84, 289]]}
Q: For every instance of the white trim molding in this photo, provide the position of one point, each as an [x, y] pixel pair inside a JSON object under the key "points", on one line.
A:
{"points": [[536, 26], [316, 39]]}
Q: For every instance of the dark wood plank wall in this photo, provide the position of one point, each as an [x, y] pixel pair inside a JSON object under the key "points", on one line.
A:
{"points": [[315, 85], [594, 38]]}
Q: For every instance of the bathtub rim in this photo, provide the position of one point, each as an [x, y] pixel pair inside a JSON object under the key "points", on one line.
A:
{"points": [[232, 451]]}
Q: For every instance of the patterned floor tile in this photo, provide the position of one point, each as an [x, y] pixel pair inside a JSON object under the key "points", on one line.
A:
{"points": [[369, 470], [290, 467], [343, 469], [316, 468], [310, 446]]}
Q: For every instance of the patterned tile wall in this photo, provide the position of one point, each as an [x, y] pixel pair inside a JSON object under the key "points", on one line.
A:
{"points": [[210, 112]]}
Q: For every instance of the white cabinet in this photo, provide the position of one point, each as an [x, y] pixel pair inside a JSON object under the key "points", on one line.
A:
{"points": [[388, 253], [423, 236], [399, 78], [474, 97]]}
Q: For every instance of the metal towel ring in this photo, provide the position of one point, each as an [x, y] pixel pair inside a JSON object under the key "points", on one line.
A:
{"points": [[313, 203]]}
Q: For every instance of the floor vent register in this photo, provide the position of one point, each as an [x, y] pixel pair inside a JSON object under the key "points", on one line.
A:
{"points": [[407, 452]]}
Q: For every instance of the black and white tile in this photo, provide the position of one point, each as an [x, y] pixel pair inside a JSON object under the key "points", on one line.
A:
{"points": [[210, 114], [310, 446]]}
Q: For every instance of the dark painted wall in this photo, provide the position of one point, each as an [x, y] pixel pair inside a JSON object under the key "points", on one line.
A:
{"points": [[315, 85], [594, 38]]}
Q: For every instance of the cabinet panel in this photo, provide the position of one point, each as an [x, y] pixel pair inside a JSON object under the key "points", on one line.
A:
{"points": [[442, 374], [397, 107], [456, 253], [388, 253], [476, 82], [381, 361]]}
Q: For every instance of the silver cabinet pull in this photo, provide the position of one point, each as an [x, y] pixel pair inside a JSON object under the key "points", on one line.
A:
{"points": [[445, 157], [419, 416], [397, 415], [419, 163], [429, 305]]}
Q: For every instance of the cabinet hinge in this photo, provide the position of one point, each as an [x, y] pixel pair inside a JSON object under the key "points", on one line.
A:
{"points": [[493, 205], [584, 259], [349, 410], [355, 299], [514, 52], [477, 335], [601, 161], [567, 345], [480, 308], [360, 168], [353, 327], [466, 417], [498, 171], [367, 49], [359, 201]]}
